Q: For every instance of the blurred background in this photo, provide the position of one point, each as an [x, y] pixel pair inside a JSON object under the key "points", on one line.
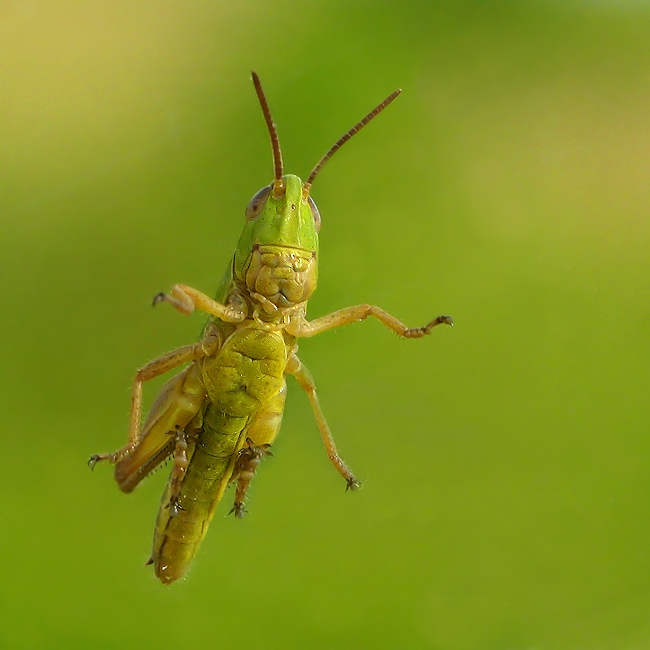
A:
{"points": [[505, 462]]}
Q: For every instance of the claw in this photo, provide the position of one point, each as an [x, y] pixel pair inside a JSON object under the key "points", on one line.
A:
{"points": [[419, 332], [159, 297], [239, 510], [256, 451], [352, 484], [174, 508], [96, 458]]}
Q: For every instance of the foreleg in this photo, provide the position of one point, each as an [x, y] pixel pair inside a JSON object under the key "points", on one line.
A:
{"points": [[304, 328], [186, 299]]}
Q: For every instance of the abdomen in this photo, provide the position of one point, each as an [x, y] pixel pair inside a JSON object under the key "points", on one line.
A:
{"points": [[246, 374]]}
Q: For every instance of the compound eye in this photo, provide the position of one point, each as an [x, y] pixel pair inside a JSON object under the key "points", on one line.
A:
{"points": [[257, 203], [316, 213]]}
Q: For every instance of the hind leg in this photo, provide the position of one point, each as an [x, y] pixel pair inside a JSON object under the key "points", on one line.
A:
{"points": [[153, 369], [177, 407], [247, 463], [260, 435]]}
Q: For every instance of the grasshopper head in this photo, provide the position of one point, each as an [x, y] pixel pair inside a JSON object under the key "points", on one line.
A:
{"points": [[277, 254]]}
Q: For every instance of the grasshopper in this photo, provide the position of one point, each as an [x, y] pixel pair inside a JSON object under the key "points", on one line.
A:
{"points": [[218, 417]]}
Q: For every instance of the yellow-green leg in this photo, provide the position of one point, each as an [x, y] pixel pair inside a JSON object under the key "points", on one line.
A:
{"points": [[247, 463], [260, 435], [304, 328], [153, 369], [186, 299], [300, 372], [181, 463]]}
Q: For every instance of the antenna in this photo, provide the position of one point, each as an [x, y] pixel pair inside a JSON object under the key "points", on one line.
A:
{"points": [[343, 139], [275, 142]]}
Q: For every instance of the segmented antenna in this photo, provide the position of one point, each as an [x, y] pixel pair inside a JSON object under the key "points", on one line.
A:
{"points": [[275, 142], [342, 140]]}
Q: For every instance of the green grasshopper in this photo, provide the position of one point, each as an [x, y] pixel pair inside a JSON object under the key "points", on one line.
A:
{"points": [[219, 416]]}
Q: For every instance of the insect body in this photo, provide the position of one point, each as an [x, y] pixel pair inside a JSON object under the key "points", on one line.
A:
{"points": [[218, 417]]}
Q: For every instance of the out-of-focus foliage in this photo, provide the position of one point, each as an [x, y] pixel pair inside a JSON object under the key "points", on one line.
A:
{"points": [[505, 461]]}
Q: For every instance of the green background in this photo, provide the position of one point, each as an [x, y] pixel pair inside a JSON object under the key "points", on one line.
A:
{"points": [[505, 462]]}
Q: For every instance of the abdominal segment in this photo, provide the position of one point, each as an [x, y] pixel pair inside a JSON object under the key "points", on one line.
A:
{"points": [[243, 381], [213, 458]]}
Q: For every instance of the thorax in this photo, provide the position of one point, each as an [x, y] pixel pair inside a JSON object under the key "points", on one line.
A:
{"points": [[248, 369]]}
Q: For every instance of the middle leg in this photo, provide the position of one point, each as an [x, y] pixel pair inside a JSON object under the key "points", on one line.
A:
{"points": [[300, 372]]}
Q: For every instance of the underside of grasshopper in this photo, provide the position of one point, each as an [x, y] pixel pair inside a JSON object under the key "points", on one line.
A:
{"points": [[219, 416]]}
